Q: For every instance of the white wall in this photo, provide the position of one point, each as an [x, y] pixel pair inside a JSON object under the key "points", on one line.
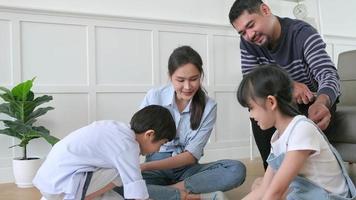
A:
{"points": [[101, 67], [337, 17], [201, 11]]}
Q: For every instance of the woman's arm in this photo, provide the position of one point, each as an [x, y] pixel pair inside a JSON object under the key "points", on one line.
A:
{"points": [[291, 165], [258, 192], [182, 159]]}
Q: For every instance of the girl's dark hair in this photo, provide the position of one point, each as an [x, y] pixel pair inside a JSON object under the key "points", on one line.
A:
{"points": [[181, 56], [239, 6], [267, 80], [157, 118]]}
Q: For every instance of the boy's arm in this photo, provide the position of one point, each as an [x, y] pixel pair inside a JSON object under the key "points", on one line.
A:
{"points": [[258, 192], [127, 163], [182, 159], [291, 165]]}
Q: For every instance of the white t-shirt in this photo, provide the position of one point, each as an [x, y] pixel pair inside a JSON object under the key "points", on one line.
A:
{"points": [[102, 144], [321, 167]]}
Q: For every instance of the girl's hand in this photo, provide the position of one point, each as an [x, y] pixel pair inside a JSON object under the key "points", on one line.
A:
{"points": [[291, 166]]}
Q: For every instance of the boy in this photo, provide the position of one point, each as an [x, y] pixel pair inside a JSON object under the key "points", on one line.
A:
{"points": [[92, 160]]}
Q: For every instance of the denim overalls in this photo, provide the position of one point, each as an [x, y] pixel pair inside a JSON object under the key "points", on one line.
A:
{"points": [[302, 188]]}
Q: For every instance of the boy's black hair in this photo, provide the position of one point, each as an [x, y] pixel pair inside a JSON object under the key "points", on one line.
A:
{"points": [[157, 118], [239, 6], [267, 80]]}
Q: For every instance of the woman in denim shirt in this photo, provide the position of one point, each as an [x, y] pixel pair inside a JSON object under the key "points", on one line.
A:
{"points": [[174, 172]]}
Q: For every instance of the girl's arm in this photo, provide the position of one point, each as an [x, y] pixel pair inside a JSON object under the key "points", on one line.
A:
{"points": [[182, 159], [258, 192], [291, 165]]}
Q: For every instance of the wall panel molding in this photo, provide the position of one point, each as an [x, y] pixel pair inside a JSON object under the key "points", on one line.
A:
{"points": [[100, 67]]}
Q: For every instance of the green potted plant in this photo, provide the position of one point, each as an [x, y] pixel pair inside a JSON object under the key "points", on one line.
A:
{"points": [[21, 106]]}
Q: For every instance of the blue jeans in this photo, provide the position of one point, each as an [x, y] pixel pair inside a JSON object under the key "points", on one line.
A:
{"points": [[220, 175]]}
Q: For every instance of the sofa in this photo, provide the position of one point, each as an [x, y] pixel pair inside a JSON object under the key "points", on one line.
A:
{"points": [[344, 138]]}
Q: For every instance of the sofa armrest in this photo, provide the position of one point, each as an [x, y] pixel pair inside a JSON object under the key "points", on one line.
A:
{"points": [[345, 119]]}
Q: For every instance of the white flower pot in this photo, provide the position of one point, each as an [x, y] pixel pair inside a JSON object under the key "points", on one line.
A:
{"points": [[25, 171]]}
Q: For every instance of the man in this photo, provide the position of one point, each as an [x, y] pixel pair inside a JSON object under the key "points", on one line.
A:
{"points": [[295, 46]]}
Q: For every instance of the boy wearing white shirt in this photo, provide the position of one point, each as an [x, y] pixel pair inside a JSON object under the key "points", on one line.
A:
{"points": [[92, 160]]}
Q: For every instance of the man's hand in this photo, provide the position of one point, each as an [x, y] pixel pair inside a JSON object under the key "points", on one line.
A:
{"points": [[319, 111], [302, 94]]}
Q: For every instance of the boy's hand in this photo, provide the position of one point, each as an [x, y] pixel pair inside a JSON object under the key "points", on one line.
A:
{"points": [[143, 167]]}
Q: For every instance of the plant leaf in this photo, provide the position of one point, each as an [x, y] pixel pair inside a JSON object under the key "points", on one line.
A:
{"points": [[21, 105], [30, 96], [5, 108], [21, 91], [5, 89], [31, 105], [10, 132], [17, 127], [43, 132], [7, 96], [38, 112]]}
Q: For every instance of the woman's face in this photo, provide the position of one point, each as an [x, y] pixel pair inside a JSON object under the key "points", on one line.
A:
{"points": [[186, 81]]}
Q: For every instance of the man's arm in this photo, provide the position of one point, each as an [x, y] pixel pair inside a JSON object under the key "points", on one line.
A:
{"points": [[319, 111], [322, 68], [324, 72], [248, 60]]}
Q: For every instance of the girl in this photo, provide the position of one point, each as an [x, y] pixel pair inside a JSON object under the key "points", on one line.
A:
{"points": [[174, 172], [302, 163]]}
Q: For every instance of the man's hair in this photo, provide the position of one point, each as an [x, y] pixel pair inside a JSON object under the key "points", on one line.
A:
{"points": [[157, 118], [239, 6]]}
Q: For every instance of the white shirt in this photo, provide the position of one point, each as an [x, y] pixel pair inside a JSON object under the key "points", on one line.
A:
{"points": [[321, 167], [102, 144]]}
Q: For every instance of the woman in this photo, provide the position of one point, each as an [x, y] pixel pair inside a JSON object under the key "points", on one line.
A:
{"points": [[174, 172]]}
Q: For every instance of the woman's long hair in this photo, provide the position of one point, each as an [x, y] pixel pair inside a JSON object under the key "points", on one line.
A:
{"points": [[182, 56]]}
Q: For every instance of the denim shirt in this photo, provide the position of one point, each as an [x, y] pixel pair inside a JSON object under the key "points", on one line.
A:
{"points": [[186, 139]]}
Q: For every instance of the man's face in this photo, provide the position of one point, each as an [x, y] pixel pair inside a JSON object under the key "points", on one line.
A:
{"points": [[256, 28]]}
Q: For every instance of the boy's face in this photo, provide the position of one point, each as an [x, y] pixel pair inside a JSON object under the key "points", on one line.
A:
{"points": [[148, 145]]}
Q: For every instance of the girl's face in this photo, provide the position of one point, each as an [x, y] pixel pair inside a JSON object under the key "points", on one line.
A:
{"points": [[186, 81], [262, 112]]}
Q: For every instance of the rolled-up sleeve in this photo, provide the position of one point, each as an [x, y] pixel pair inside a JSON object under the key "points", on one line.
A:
{"points": [[197, 141], [136, 190], [128, 164]]}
